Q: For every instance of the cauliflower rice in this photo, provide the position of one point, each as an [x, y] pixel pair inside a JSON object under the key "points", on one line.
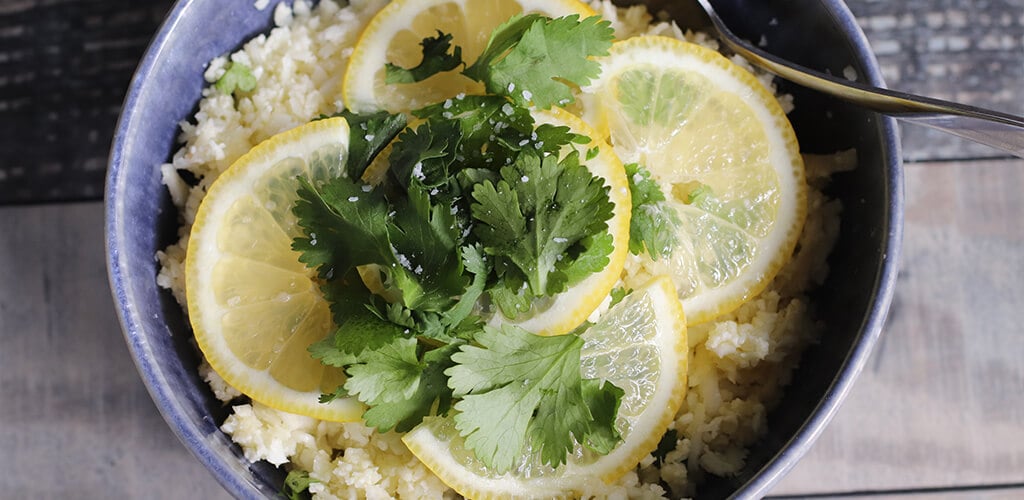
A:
{"points": [[738, 364]]}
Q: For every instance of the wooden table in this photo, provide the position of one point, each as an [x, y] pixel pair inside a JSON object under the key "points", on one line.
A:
{"points": [[938, 412]]}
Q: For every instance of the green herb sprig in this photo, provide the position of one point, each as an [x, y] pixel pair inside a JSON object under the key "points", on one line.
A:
{"points": [[482, 212]]}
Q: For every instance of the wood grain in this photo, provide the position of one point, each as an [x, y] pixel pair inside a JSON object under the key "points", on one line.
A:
{"points": [[75, 418], [940, 407], [65, 66], [969, 51], [940, 404]]}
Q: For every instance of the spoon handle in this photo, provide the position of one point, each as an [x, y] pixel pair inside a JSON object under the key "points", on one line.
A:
{"points": [[992, 128]]}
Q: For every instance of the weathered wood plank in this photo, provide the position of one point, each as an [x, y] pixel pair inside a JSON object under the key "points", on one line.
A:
{"points": [[75, 419], [65, 66], [940, 403], [969, 51]]}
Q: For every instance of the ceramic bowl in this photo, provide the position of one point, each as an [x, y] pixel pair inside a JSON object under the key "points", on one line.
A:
{"points": [[821, 34]]}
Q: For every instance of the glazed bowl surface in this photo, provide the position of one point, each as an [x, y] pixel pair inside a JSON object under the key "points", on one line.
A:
{"points": [[821, 34]]}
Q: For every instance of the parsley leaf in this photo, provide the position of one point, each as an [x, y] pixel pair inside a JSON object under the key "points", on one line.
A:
{"points": [[436, 59], [654, 224], [532, 58], [517, 389], [237, 76]]}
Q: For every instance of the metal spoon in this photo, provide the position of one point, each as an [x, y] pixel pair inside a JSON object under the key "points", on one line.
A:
{"points": [[999, 130]]}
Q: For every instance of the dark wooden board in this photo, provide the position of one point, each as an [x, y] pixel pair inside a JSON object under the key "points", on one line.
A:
{"points": [[65, 66]]}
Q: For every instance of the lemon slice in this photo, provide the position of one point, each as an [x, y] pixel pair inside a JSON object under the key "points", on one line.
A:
{"points": [[394, 36], [567, 310], [639, 345], [723, 151], [253, 306]]}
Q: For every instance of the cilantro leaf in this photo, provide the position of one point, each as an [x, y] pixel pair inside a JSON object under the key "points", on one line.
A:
{"points": [[603, 399], [335, 214], [425, 240], [550, 139], [536, 212], [296, 485], [490, 127], [425, 154], [476, 263], [617, 294], [654, 224], [415, 243], [348, 296], [533, 59], [479, 205], [592, 258], [510, 297], [236, 77], [519, 388], [338, 393], [399, 388], [503, 39], [436, 59], [368, 134], [358, 334], [388, 373]]}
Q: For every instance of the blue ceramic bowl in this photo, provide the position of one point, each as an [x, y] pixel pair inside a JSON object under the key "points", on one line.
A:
{"points": [[141, 220]]}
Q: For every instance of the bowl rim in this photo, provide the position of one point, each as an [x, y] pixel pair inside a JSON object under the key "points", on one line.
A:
{"points": [[171, 405], [885, 279]]}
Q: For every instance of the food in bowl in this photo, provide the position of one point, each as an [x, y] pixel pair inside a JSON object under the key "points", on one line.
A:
{"points": [[257, 113]]}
